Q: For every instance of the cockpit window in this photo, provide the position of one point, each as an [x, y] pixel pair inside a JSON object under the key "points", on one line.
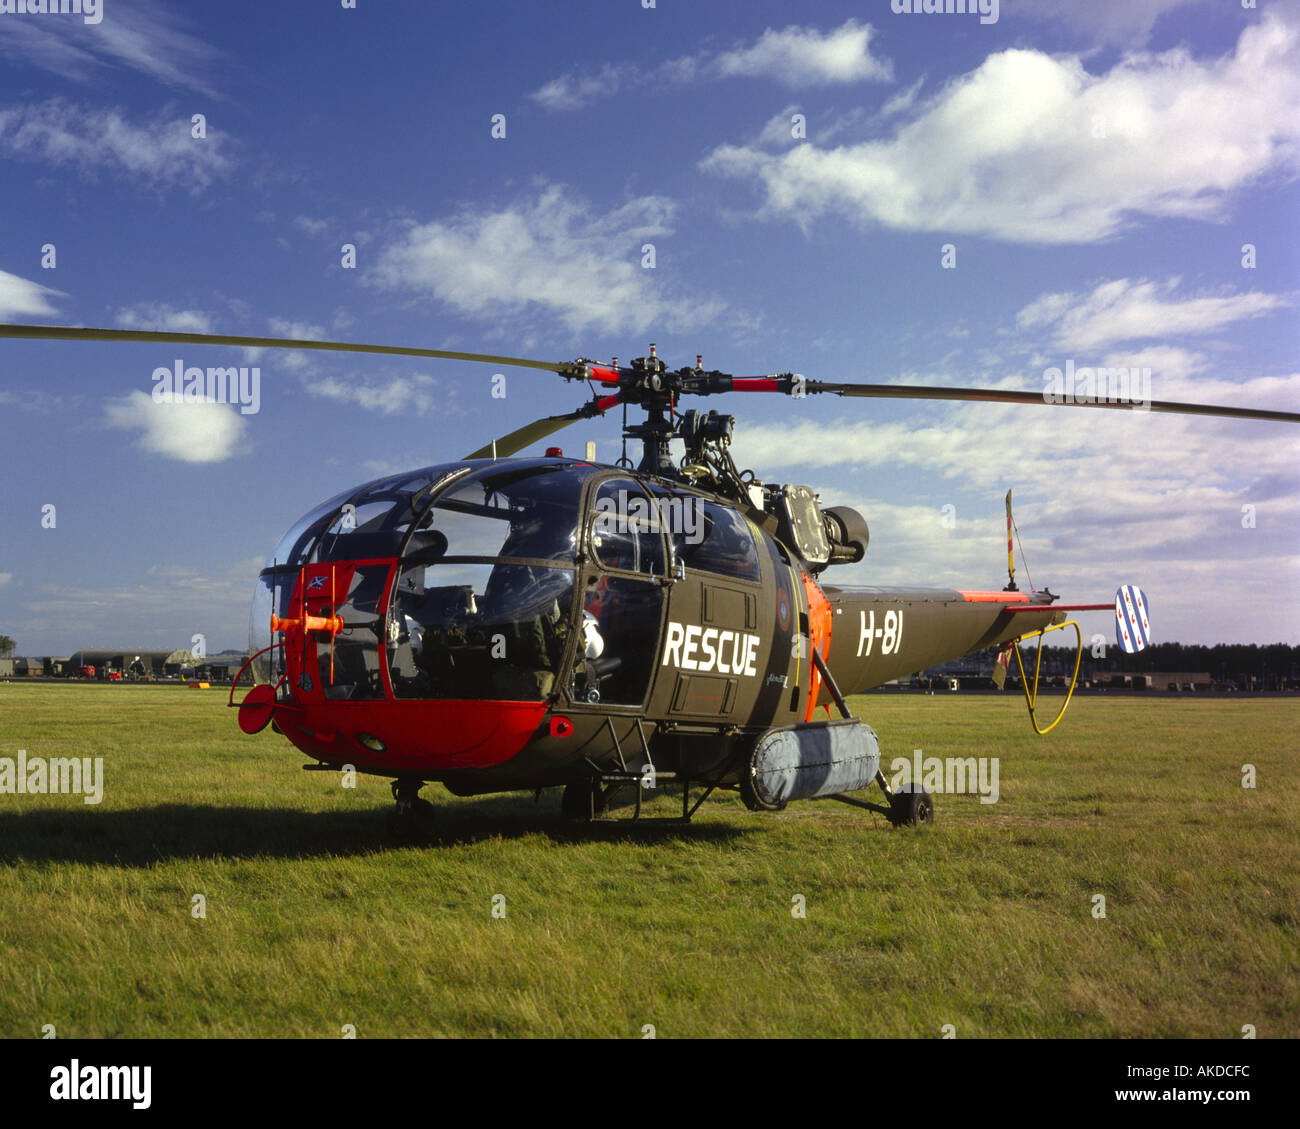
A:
{"points": [[479, 631], [626, 528], [712, 537], [526, 513], [483, 593], [375, 522], [483, 602], [363, 510], [295, 545]]}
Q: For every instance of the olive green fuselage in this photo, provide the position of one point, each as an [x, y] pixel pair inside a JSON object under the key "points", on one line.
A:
{"points": [[734, 659]]}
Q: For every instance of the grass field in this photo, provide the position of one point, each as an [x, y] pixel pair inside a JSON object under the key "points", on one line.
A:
{"points": [[985, 921]]}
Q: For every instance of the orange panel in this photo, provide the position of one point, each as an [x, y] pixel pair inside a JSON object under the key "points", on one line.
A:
{"points": [[819, 631]]}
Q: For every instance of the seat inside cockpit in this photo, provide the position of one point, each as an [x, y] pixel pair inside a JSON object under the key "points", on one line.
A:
{"points": [[488, 616]]}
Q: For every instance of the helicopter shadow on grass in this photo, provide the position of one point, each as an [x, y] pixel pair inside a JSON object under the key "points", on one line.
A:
{"points": [[144, 836]]}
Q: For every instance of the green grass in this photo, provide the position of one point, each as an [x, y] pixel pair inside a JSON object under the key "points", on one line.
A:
{"points": [[315, 919]]}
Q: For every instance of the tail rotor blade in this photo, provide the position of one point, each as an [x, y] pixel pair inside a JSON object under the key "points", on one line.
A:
{"points": [[1011, 559]]}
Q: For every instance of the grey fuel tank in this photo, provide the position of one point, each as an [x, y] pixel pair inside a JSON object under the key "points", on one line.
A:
{"points": [[822, 758]]}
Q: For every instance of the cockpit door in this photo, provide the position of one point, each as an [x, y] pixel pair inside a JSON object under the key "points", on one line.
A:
{"points": [[623, 586], [714, 649]]}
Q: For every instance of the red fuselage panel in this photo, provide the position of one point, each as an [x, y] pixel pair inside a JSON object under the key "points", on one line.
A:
{"points": [[420, 736]]}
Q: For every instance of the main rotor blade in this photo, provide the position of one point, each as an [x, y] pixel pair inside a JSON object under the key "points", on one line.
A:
{"points": [[1003, 396], [525, 436], [530, 433], [66, 333]]}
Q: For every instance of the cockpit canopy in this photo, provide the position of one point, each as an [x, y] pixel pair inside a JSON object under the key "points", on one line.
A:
{"points": [[525, 508], [494, 542], [462, 581]]}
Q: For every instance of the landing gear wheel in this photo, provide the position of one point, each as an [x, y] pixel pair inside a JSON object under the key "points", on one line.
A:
{"points": [[412, 817], [911, 808]]}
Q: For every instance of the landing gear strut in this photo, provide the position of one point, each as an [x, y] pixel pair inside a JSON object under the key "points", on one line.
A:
{"points": [[909, 806], [413, 816], [591, 798], [585, 799]]}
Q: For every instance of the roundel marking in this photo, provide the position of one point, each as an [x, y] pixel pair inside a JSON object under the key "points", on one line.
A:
{"points": [[783, 608]]}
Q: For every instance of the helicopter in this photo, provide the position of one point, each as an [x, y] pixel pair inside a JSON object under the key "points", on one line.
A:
{"points": [[504, 623]]}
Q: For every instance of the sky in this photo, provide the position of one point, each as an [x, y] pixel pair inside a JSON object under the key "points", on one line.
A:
{"points": [[841, 190]]}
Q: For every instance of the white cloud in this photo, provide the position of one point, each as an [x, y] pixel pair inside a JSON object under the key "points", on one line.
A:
{"points": [[779, 130], [157, 612], [143, 35], [983, 444], [549, 254], [163, 317], [1012, 151], [793, 56], [1132, 310], [573, 91], [1101, 497], [903, 100], [291, 360], [313, 227], [295, 330], [5, 577], [415, 393], [383, 468], [1119, 22], [802, 56], [1169, 364], [157, 151], [191, 432], [21, 298]]}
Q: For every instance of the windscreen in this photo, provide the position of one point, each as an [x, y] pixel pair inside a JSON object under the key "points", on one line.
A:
{"points": [[483, 602]]}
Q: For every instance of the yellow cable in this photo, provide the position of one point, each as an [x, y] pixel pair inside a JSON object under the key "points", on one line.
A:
{"points": [[1032, 700]]}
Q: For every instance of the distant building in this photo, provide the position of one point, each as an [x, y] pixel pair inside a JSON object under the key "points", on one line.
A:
{"points": [[102, 659], [21, 667], [1198, 682], [224, 666]]}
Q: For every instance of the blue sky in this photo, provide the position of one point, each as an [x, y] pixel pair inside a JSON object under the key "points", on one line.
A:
{"points": [[1097, 170]]}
